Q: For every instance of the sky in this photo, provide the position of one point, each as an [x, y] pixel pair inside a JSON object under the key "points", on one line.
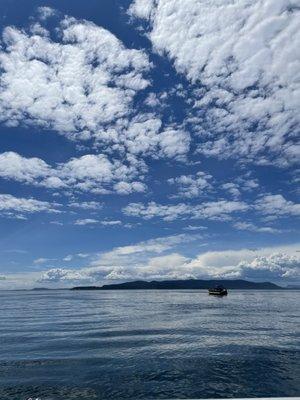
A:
{"points": [[149, 139]]}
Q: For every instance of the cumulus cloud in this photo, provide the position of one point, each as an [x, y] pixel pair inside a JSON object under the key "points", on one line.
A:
{"points": [[68, 258], [18, 206], [243, 56], [214, 210], [144, 259], [152, 246], [145, 135], [275, 264], [276, 205], [60, 275], [165, 266], [82, 255], [86, 205], [249, 226], [28, 170], [42, 260], [129, 187], [83, 85], [112, 222], [260, 264], [195, 228], [192, 185], [247, 184], [232, 188], [269, 205], [94, 173], [46, 12], [92, 221], [152, 100], [86, 221], [141, 8], [74, 86]]}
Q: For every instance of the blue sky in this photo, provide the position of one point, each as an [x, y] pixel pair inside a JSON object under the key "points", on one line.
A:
{"points": [[148, 140]]}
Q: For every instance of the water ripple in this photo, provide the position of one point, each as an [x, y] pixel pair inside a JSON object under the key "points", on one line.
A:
{"points": [[153, 344]]}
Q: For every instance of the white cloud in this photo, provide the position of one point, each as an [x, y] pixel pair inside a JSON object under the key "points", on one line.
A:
{"points": [[91, 221], [214, 210], [75, 86], [274, 266], [195, 228], [165, 266], [247, 184], [96, 174], [92, 173], [281, 264], [265, 263], [82, 255], [232, 188], [152, 100], [244, 57], [157, 245], [17, 206], [46, 12], [111, 222], [129, 187], [277, 205], [86, 205], [68, 258], [270, 205], [192, 185], [86, 221], [173, 143], [42, 260], [131, 256], [145, 135], [83, 86], [144, 259], [161, 258], [56, 275], [248, 226], [141, 8], [28, 170]]}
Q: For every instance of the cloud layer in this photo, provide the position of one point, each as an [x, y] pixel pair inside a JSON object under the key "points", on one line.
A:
{"points": [[83, 85], [197, 123], [93, 173], [125, 263], [243, 58], [75, 86], [17, 206], [215, 210]]}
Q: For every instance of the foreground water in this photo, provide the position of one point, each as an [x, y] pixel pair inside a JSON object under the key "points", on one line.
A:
{"points": [[148, 344]]}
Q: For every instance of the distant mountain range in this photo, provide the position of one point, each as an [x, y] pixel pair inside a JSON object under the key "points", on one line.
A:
{"points": [[183, 284]]}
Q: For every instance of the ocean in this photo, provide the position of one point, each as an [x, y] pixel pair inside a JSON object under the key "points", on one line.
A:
{"points": [[148, 344]]}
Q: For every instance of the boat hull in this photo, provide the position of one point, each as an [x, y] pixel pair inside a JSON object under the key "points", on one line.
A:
{"points": [[217, 293]]}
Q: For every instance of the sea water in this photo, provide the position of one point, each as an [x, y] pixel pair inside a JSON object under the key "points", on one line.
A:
{"points": [[148, 344]]}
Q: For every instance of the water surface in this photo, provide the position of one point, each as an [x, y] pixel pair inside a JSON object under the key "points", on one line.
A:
{"points": [[148, 344]]}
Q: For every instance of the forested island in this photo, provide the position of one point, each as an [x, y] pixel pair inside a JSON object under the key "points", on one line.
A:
{"points": [[183, 284]]}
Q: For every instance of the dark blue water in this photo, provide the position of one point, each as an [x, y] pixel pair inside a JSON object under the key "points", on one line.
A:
{"points": [[148, 344]]}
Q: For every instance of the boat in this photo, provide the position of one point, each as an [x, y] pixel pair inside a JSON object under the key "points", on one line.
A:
{"points": [[218, 291]]}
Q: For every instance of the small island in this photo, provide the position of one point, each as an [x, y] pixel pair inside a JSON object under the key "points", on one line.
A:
{"points": [[184, 284]]}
